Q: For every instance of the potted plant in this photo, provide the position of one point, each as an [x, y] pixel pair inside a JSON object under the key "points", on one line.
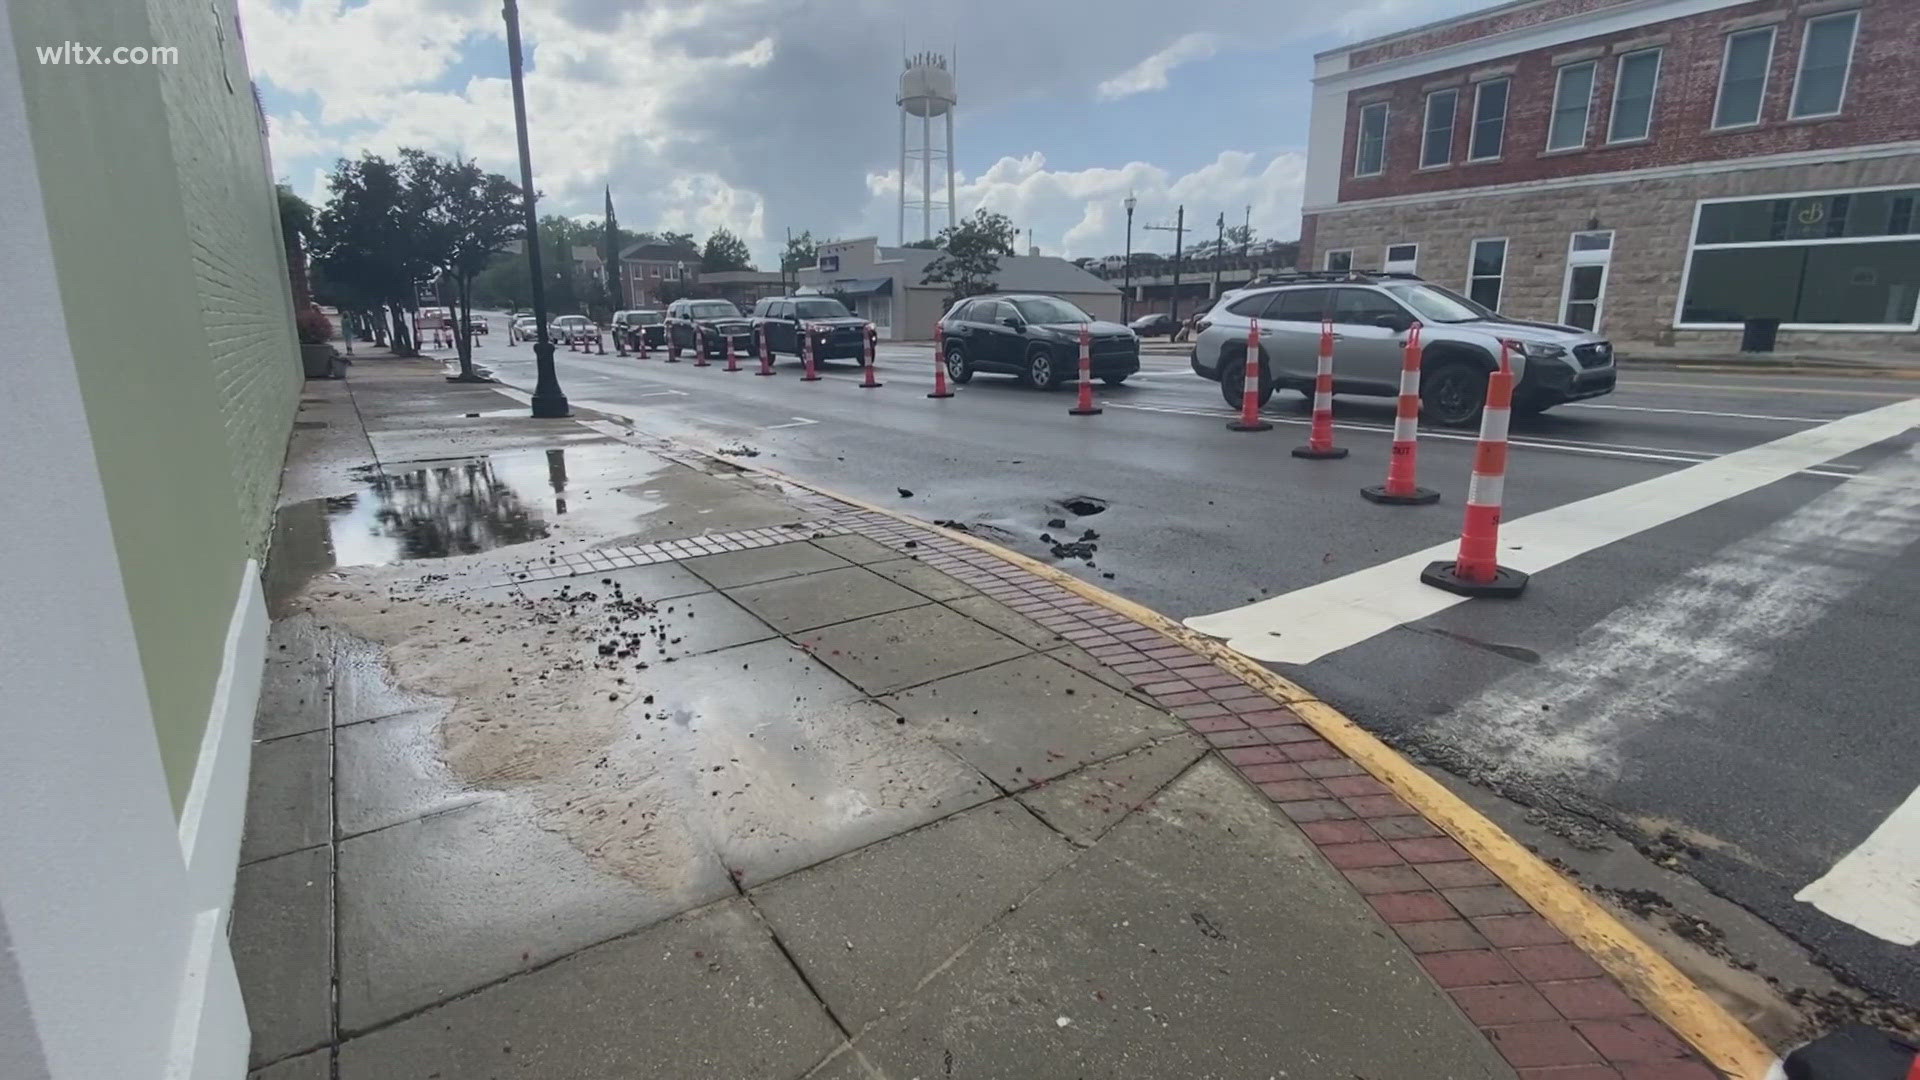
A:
{"points": [[316, 336]]}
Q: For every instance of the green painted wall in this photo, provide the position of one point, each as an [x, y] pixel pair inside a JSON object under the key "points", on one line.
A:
{"points": [[167, 259]]}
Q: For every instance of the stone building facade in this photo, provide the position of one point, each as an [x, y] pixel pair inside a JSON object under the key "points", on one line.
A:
{"points": [[1664, 170]]}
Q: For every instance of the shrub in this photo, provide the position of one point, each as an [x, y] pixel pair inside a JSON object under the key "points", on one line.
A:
{"points": [[313, 326]]}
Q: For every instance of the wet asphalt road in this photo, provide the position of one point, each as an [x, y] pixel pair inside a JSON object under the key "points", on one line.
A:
{"points": [[1752, 735]]}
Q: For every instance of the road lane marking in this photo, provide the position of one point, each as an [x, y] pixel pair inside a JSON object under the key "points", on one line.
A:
{"points": [[798, 421], [1304, 625], [663, 393], [1876, 887], [1568, 716], [1638, 382], [1698, 412], [1571, 446]]}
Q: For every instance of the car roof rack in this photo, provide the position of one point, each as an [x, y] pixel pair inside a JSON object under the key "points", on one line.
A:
{"points": [[1296, 277]]}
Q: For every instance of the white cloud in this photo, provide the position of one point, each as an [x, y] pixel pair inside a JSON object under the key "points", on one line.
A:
{"points": [[1151, 73]]}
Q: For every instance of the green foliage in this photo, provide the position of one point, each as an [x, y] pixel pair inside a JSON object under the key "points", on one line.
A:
{"points": [[1239, 236], [801, 253], [367, 248], [313, 326], [970, 254], [925, 245], [725, 251], [296, 215]]}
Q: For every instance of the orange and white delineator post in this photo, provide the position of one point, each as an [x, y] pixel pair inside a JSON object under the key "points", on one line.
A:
{"points": [[1250, 395], [806, 353], [766, 352], [733, 362], [1401, 489], [873, 349], [1477, 570], [1085, 406], [940, 363], [1320, 435], [699, 346]]}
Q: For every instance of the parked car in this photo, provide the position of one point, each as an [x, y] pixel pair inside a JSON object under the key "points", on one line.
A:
{"points": [[1154, 325], [477, 324], [837, 333], [712, 321], [566, 329], [1371, 315], [630, 326], [522, 328], [1034, 337]]}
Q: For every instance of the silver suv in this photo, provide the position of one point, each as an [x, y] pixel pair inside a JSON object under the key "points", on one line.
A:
{"points": [[1371, 314]]}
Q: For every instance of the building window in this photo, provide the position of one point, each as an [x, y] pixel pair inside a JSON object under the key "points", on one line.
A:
{"points": [[1340, 261], [1486, 270], [1634, 84], [1489, 120], [1370, 156], [1821, 261], [1401, 258], [1743, 78], [1436, 137], [1826, 52], [1572, 102]]}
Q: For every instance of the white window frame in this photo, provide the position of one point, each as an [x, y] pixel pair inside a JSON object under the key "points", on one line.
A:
{"points": [[1326, 259], [1360, 138], [1766, 78], [1410, 265], [1653, 96], [1600, 257], [1693, 231], [1586, 117], [1846, 73], [1506, 251], [1426, 128], [1473, 121]]}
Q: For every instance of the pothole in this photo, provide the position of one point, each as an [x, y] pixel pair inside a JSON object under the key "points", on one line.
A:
{"points": [[1083, 505]]}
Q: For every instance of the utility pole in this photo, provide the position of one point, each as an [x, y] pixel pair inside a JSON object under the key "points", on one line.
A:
{"points": [[1179, 231], [1246, 233], [548, 400], [1126, 267], [1219, 249]]}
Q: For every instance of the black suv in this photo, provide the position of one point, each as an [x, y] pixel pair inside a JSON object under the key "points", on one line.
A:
{"points": [[711, 321], [630, 326], [838, 334], [1034, 337]]}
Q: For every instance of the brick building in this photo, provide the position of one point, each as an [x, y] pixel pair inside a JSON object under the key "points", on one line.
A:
{"points": [[644, 268], [1662, 170]]}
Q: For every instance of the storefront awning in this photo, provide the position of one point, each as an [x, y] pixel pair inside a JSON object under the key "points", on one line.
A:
{"points": [[861, 287]]}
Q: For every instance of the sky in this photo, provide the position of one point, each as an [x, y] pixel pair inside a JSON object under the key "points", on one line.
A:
{"points": [[765, 115]]}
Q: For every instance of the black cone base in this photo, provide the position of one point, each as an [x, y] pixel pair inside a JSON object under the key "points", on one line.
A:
{"points": [[1242, 425], [1506, 584], [1418, 497], [1332, 453]]}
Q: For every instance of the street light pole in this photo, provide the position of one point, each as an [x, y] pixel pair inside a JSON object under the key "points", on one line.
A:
{"points": [[1126, 272], [548, 401], [1219, 249]]}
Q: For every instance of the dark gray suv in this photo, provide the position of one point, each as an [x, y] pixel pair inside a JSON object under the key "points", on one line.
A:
{"points": [[1371, 315]]}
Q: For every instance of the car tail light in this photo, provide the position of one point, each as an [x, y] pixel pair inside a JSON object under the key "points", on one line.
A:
{"points": [[1201, 326]]}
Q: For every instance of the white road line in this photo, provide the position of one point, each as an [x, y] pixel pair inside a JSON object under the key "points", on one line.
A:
{"points": [[1698, 412], [798, 421], [1307, 624], [1876, 887], [663, 393]]}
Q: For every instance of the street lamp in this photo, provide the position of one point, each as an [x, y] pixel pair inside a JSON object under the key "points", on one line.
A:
{"points": [[1126, 296], [548, 401]]}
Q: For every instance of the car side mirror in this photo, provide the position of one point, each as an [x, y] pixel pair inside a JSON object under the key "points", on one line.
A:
{"points": [[1395, 323], [1011, 322]]}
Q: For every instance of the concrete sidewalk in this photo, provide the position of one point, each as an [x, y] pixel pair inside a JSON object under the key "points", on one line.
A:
{"points": [[582, 757]]}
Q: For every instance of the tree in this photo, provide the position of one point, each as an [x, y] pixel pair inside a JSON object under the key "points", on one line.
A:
{"points": [[801, 252], [1240, 236], [682, 241], [610, 256], [466, 216], [367, 246], [970, 254], [296, 232], [725, 251], [925, 245]]}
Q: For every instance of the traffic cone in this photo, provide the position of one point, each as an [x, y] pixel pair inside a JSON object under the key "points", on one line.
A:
{"points": [[1477, 571], [1085, 406], [1320, 435], [1400, 488], [766, 352], [873, 348], [699, 346], [1250, 395], [806, 353], [939, 364], [733, 363]]}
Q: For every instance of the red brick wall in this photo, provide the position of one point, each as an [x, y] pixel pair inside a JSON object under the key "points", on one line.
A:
{"points": [[1453, 34], [1879, 106]]}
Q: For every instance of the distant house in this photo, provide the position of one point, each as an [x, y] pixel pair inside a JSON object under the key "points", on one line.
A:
{"points": [[645, 268], [587, 264], [885, 284]]}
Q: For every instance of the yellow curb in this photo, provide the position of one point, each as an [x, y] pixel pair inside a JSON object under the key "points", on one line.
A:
{"points": [[1641, 971]]}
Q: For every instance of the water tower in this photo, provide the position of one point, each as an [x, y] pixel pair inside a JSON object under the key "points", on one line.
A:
{"points": [[926, 91]]}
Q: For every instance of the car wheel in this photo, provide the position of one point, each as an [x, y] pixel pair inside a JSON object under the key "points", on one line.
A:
{"points": [[1113, 380], [959, 368], [1233, 380], [1452, 394], [1041, 372]]}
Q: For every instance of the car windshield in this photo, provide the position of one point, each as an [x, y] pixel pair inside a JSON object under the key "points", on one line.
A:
{"points": [[821, 309], [1047, 309], [571, 320], [1435, 304], [713, 309], [644, 318]]}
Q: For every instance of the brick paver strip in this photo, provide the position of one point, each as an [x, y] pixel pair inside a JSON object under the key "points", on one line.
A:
{"points": [[1541, 1002]]}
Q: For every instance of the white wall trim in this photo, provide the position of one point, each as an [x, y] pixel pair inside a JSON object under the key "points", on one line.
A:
{"points": [[216, 803], [1668, 172]]}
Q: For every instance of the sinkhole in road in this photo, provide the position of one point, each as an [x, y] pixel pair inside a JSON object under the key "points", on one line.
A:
{"points": [[1083, 505]]}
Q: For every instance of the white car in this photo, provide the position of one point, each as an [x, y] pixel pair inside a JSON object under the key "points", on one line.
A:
{"points": [[570, 328], [523, 328]]}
